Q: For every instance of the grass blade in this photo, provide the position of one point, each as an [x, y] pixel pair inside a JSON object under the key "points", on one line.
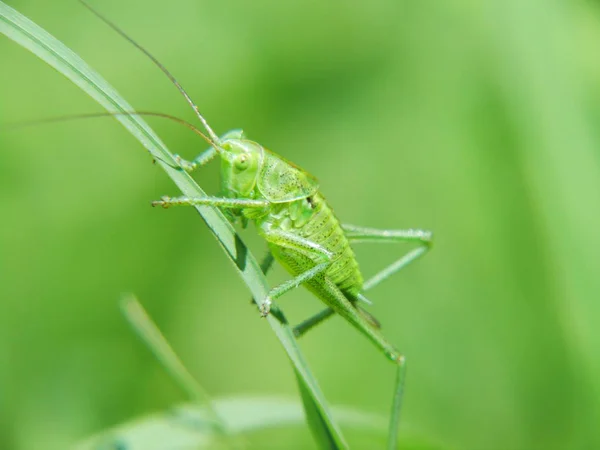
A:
{"points": [[49, 49], [188, 426], [149, 333], [314, 418]]}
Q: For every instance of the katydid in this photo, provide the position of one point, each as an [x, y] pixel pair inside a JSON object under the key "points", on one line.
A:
{"points": [[294, 218], [297, 223]]}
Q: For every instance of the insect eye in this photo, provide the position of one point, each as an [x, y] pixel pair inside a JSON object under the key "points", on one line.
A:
{"points": [[242, 162]]}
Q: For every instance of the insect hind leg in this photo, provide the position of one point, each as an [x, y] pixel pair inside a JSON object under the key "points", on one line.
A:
{"points": [[326, 313], [361, 234], [340, 303], [373, 235], [312, 321]]}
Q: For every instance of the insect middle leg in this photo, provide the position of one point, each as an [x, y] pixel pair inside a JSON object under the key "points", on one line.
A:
{"points": [[220, 202], [321, 257], [357, 234], [265, 265]]}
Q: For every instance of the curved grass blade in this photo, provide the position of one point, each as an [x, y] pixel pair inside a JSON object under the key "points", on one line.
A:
{"points": [[150, 334], [29, 35]]}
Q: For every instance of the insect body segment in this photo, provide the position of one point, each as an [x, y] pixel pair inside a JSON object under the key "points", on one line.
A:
{"points": [[281, 181], [312, 219]]}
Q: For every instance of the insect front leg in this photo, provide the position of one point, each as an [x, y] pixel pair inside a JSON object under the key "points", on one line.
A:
{"points": [[303, 246], [357, 235], [208, 155], [202, 159]]}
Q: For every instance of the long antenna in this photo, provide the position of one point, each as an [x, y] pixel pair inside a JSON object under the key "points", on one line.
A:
{"points": [[213, 137], [108, 114]]}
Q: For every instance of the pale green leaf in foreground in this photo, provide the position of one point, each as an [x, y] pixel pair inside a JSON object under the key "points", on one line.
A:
{"points": [[190, 427]]}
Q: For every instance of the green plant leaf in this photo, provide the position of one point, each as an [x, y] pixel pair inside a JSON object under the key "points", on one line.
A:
{"points": [[188, 426], [49, 49]]}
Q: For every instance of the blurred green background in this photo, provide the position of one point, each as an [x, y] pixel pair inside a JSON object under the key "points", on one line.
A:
{"points": [[476, 120]]}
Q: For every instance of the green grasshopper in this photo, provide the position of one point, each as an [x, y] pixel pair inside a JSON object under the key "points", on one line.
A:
{"points": [[295, 220], [300, 228]]}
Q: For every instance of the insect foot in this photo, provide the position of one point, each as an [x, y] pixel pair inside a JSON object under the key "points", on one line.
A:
{"points": [[394, 355], [185, 165], [164, 202], [265, 307]]}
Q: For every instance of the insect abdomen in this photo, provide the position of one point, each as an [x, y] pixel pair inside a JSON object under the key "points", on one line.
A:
{"points": [[313, 219]]}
